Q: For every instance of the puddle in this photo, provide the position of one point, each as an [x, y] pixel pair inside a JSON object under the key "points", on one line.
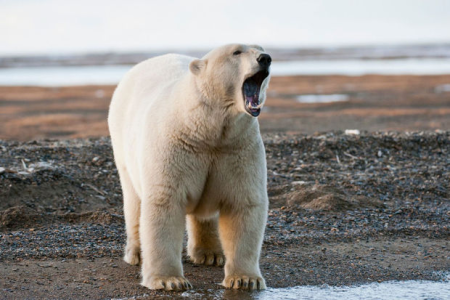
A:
{"points": [[442, 88], [321, 98], [411, 290]]}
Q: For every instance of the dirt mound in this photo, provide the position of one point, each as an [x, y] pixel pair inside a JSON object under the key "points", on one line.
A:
{"points": [[95, 217], [323, 197], [59, 194], [58, 181], [25, 217], [17, 216]]}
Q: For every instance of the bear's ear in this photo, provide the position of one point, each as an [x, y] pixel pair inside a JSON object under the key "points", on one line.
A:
{"points": [[257, 47], [197, 65]]}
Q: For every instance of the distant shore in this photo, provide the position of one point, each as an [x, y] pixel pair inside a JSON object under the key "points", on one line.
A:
{"points": [[369, 52]]}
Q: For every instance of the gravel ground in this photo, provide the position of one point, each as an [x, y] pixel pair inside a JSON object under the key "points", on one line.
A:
{"points": [[344, 209]]}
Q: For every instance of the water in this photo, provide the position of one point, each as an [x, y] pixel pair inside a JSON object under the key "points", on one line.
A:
{"points": [[410, 290], [85, 75], [429, 66], [62, 76], [322, 98]]}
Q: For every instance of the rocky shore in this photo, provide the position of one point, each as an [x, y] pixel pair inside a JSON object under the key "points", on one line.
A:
{"points": [[345, 209]]}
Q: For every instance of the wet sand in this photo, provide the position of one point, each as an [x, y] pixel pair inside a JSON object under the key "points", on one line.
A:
{"points": [[344, 210], [375, 103]]}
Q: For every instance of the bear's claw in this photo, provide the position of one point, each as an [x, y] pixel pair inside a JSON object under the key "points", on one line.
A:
{"points": [[168, 283], [244, 282]]}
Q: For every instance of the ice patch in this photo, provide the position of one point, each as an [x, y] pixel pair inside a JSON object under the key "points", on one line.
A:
{"points": [[410, 290]]}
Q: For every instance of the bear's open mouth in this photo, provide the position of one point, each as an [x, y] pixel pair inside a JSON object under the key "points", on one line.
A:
{"points": [[251, 90]]}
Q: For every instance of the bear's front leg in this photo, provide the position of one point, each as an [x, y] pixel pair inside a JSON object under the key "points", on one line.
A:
{"points": [[162, 225], [241, 233]]}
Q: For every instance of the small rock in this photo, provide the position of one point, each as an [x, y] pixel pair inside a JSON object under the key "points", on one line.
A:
{"points": [[352, 132], [299, 182]]}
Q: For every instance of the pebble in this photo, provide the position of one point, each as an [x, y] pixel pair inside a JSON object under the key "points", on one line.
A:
{"points": [[352, 132]]}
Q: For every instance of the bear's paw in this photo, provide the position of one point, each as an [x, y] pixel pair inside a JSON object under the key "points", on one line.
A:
{"points": [[207, 257], [132, 256], [168, 283], [244, 282]]}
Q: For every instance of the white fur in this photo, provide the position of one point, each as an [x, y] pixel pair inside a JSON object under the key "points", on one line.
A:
{"points": [[184, 145]]}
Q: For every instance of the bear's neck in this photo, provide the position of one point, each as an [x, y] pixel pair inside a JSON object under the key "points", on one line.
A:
{"points": [[216, 125]]}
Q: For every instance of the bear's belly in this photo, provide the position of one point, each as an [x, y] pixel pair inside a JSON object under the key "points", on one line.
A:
{"points": [[206, 206]]}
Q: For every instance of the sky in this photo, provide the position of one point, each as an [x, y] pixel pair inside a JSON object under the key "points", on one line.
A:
{"points": [[30, 27]]}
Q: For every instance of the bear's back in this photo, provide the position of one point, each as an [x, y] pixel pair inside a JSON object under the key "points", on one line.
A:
{"points": [[144, 87], [160, 69], [152, 75]]}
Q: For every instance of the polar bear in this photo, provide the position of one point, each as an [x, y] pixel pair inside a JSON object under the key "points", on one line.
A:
{"points": [[188, 149]]}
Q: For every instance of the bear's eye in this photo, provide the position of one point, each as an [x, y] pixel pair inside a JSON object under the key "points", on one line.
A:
{"points": [[237, 52]]}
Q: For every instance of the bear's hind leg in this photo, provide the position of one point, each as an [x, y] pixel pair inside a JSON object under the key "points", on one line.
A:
{"points": [[132, 211], [204, 244]]}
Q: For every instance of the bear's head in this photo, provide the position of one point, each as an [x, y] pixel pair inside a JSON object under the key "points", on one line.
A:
{"points": [[234, 76]]}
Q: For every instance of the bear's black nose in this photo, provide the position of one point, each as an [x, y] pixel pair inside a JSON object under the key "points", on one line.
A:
{"points": [[264, 60]]}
